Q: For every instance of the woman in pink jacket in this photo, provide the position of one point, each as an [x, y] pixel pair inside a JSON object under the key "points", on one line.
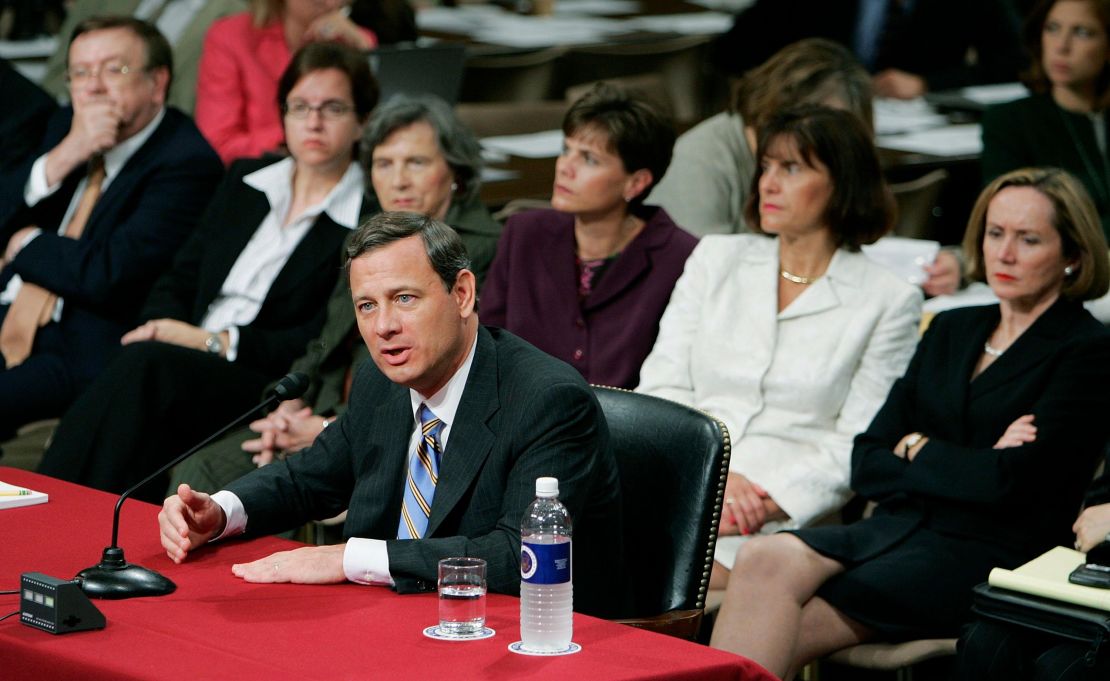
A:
{"points": [[243, 58]]}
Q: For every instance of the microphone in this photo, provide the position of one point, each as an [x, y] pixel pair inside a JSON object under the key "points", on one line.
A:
{"points": [[113, 577]]}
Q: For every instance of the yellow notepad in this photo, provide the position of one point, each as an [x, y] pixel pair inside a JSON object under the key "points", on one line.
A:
{"points": [[1047, 576], [11, 496]]}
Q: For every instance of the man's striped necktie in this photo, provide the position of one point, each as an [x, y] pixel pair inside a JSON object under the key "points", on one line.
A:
{"points": [[423, 474]]}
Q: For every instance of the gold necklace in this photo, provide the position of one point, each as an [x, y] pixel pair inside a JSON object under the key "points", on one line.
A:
{"points": [[794, 278]]}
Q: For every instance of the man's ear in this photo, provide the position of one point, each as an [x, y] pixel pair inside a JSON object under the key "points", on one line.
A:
{"points": [[161, 78], [465, 292]]}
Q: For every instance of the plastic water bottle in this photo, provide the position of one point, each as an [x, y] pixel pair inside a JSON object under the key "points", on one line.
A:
{"points": [[546, 591]]}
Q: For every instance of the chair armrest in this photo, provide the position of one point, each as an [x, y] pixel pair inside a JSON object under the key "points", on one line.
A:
{"points": [[678, 623]]}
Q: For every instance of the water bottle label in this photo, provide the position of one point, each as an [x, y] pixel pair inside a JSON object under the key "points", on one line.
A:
{"points": [[545, 563]]}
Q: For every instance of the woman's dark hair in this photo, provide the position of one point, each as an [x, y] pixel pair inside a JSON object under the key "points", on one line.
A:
{"points": [[810, 71], [1073, 215], [456, 142], [1035, 77], [641, 135], [321, 56], [861, 207]]}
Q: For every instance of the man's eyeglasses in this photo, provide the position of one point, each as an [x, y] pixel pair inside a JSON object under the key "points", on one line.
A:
{"points": [[330, 110], [111, 72]]}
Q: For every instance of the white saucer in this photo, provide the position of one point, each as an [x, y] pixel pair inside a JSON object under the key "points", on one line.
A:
{"points": [[519, 649], [440, 635]]}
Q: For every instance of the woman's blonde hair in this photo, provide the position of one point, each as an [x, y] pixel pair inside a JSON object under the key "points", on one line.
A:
{"points": [[1074, 217]]}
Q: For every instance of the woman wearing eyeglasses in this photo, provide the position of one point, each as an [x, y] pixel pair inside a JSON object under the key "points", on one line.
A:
{"points": [[245, 294], [243, 58]]}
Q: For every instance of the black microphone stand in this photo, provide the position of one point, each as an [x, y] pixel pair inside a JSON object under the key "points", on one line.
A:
{"points": [[113, 577]]}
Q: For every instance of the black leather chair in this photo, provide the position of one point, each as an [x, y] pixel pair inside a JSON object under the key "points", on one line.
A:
{"points": [[673, 463]]}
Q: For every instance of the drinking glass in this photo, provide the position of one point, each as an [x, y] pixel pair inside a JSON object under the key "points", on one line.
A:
{"points": [[462, 596]]}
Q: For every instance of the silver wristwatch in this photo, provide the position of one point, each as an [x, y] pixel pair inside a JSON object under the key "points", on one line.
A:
{"points": [[213, 344]]}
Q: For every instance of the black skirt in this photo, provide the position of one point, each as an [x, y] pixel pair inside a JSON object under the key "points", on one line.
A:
{"points": [[902, 579]]}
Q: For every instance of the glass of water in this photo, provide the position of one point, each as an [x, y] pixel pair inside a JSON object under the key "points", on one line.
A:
{"points": [[462, 596]]}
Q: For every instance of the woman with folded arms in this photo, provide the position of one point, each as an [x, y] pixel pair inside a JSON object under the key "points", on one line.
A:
{"points": [[588, 281], [978, 458], [790, 336]]}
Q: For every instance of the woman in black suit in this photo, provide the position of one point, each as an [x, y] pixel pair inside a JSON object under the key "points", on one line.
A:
{"points": [[978, 459], [1063, 124], [245, 293]]}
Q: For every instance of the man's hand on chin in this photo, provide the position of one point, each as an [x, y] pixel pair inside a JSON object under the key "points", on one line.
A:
{"points": [[309, 565]]}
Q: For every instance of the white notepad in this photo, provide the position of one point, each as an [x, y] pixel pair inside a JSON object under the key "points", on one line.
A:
{"points": [[7, 501]]}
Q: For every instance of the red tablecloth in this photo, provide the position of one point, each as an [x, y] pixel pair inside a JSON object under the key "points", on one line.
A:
{"points": [[217, 626]]}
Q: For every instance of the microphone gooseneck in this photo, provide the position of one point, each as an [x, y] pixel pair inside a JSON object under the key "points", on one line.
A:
{"points": [[113, 577]]}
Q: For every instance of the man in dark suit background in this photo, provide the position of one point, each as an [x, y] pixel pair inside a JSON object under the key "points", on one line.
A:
{"points": [[95, 217], [507, 414]]}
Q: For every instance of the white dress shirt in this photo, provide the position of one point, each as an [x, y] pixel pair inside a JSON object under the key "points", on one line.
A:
{"points": [[250, 278], [366, 561], [37, 189], [795, 386]]}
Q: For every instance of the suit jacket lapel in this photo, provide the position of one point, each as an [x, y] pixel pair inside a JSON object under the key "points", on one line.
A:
{"points": [[629, 266], [319, 243], [132, 172], [394, 415], [246, 215], [756, 277], [471, 438], [844, 270], [963, 354], [1030, 349], [558, 243]]}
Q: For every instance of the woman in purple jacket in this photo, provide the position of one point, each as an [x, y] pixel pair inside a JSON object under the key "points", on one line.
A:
{"points": [[588, 281]]}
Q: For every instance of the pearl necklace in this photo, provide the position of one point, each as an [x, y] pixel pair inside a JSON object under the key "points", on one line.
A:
{"points": [[794, 278], [992, 351]]}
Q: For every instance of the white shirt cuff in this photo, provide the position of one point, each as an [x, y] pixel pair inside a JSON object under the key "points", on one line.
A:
{"points": [[366, 561], [36, 188], [232, 343], [234, 513]]}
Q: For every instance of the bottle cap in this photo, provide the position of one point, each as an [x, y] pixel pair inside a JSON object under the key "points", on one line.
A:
{"points": [[547, 487]]}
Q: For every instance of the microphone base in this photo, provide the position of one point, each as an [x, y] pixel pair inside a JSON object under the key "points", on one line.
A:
{"points": [[115, 578]]}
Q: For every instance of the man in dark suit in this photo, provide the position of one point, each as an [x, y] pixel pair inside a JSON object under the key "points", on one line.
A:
{"points": [[912, 46], [502, 413], [119, 185]]}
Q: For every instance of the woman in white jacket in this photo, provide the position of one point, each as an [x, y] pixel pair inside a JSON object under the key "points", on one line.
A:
{"points": [[790, 335]]}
